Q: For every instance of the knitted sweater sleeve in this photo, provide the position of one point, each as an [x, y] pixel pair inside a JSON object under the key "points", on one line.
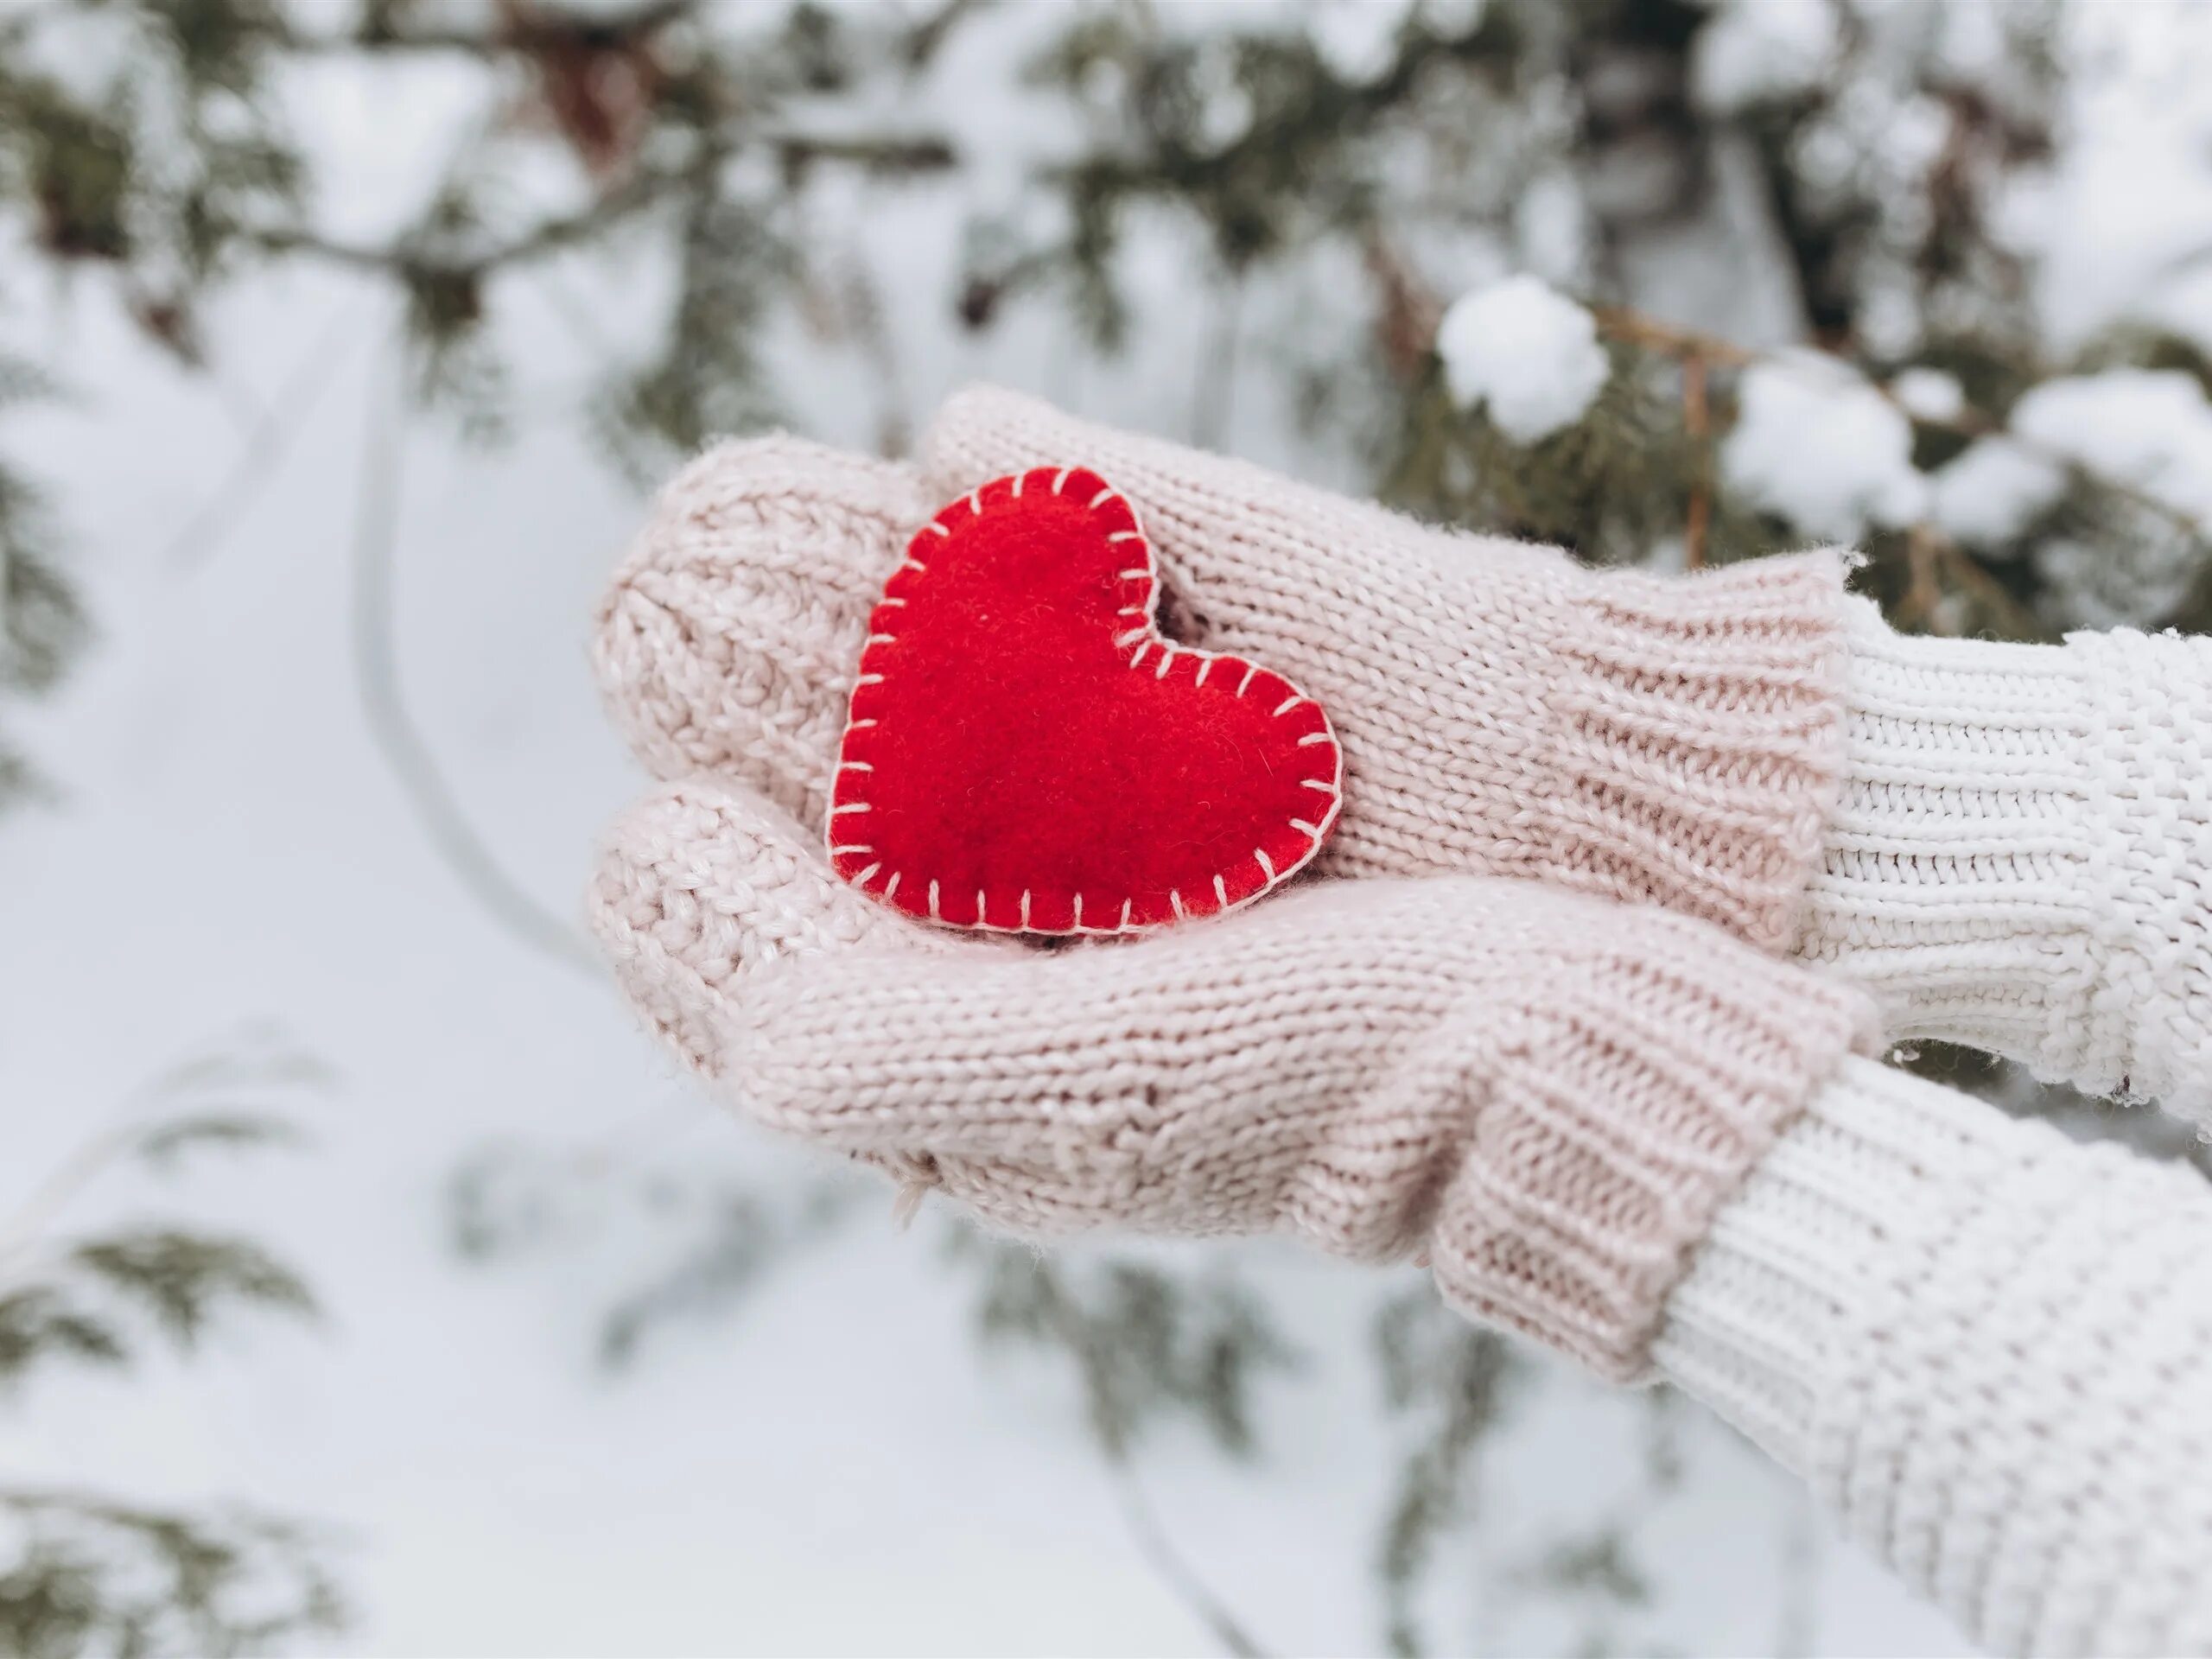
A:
{"points": [[2020, 858], [1987, 1348]]}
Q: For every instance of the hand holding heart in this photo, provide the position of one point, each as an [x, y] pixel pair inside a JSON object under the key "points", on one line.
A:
{"points": [[981, 703], [1525, 1016]]}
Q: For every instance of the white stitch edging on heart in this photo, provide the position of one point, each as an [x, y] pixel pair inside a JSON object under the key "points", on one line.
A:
{"points": [[1146, 607]]}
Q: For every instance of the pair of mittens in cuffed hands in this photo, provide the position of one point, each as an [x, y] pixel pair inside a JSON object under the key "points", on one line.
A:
{"points": [[1525, 1014], [1535, 1011]]}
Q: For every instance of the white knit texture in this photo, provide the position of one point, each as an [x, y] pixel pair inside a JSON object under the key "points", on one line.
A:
{"points": [[1749, 1328], [2020, 857], [1987, 1348]]}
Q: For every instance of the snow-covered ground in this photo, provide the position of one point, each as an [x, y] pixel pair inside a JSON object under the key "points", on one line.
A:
{"points": [[830, 1463]]}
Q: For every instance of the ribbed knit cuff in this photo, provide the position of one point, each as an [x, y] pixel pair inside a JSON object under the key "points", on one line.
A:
{"points": [[2020, 857], [1753, 1328], [1697, 737], [1608, 1143]]}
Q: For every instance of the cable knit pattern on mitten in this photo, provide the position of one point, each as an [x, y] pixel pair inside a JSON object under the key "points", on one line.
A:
{"points": [[2021, 857], [729, 638], [1988, 1348], [696, 888], [1503, 709], [1549, 1096]]}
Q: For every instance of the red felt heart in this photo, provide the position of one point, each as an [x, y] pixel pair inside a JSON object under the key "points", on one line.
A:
{"points": [[1026, 753]]}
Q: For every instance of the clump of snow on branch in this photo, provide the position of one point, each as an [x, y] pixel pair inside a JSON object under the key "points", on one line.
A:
{"points": [[2148, 428], [2148, 432], [1928, 394], [1996, 488], [1358, 41], [1756, 52], [1530, 355], [1817, 445]]}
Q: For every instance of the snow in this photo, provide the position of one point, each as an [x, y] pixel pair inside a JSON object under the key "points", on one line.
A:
{"points": [[1818, 447], [2149, 433], [1928, 394], [1552, 230], [2148, 428], [1992, 491], [1358, 39], [1754, 52], [2123, 218], [1527, 354]]}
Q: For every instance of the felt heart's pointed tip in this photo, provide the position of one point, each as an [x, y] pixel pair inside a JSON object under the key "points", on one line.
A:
{"points": [[1026, 753]]}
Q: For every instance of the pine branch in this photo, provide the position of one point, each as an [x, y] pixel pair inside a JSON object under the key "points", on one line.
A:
{"points": [[1142, 1347], [165, 1143], [68, 1301], [1619, 322], [39, 1323], [91, 1574], [377, 675], [182, 1278], [1459, 1374]]}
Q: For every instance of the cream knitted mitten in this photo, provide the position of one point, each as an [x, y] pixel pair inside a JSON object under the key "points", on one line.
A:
{"points": [[1548, 1095]]}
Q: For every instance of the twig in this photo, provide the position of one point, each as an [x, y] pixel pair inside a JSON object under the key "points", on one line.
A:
{"points": [[1168, 1563], [411, 260], [1697, 422], [917, 152], [931, 33], [1924, 598], [2019, 620], [406, 259], [1800, 1577], [522, 29], [1408, 312], [1619, 322], [128, 1123], [1216, 391], [280, 421], [69, 1177], [377, 677], [894, 425], [1069, 1328]]}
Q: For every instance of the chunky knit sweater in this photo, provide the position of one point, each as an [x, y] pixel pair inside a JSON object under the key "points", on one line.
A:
{"points": [[1633, 1132], [2020, 856], [1987, 1349]]}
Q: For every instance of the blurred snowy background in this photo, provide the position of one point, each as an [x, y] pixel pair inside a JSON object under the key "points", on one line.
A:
{"points": [[337, 344]]}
